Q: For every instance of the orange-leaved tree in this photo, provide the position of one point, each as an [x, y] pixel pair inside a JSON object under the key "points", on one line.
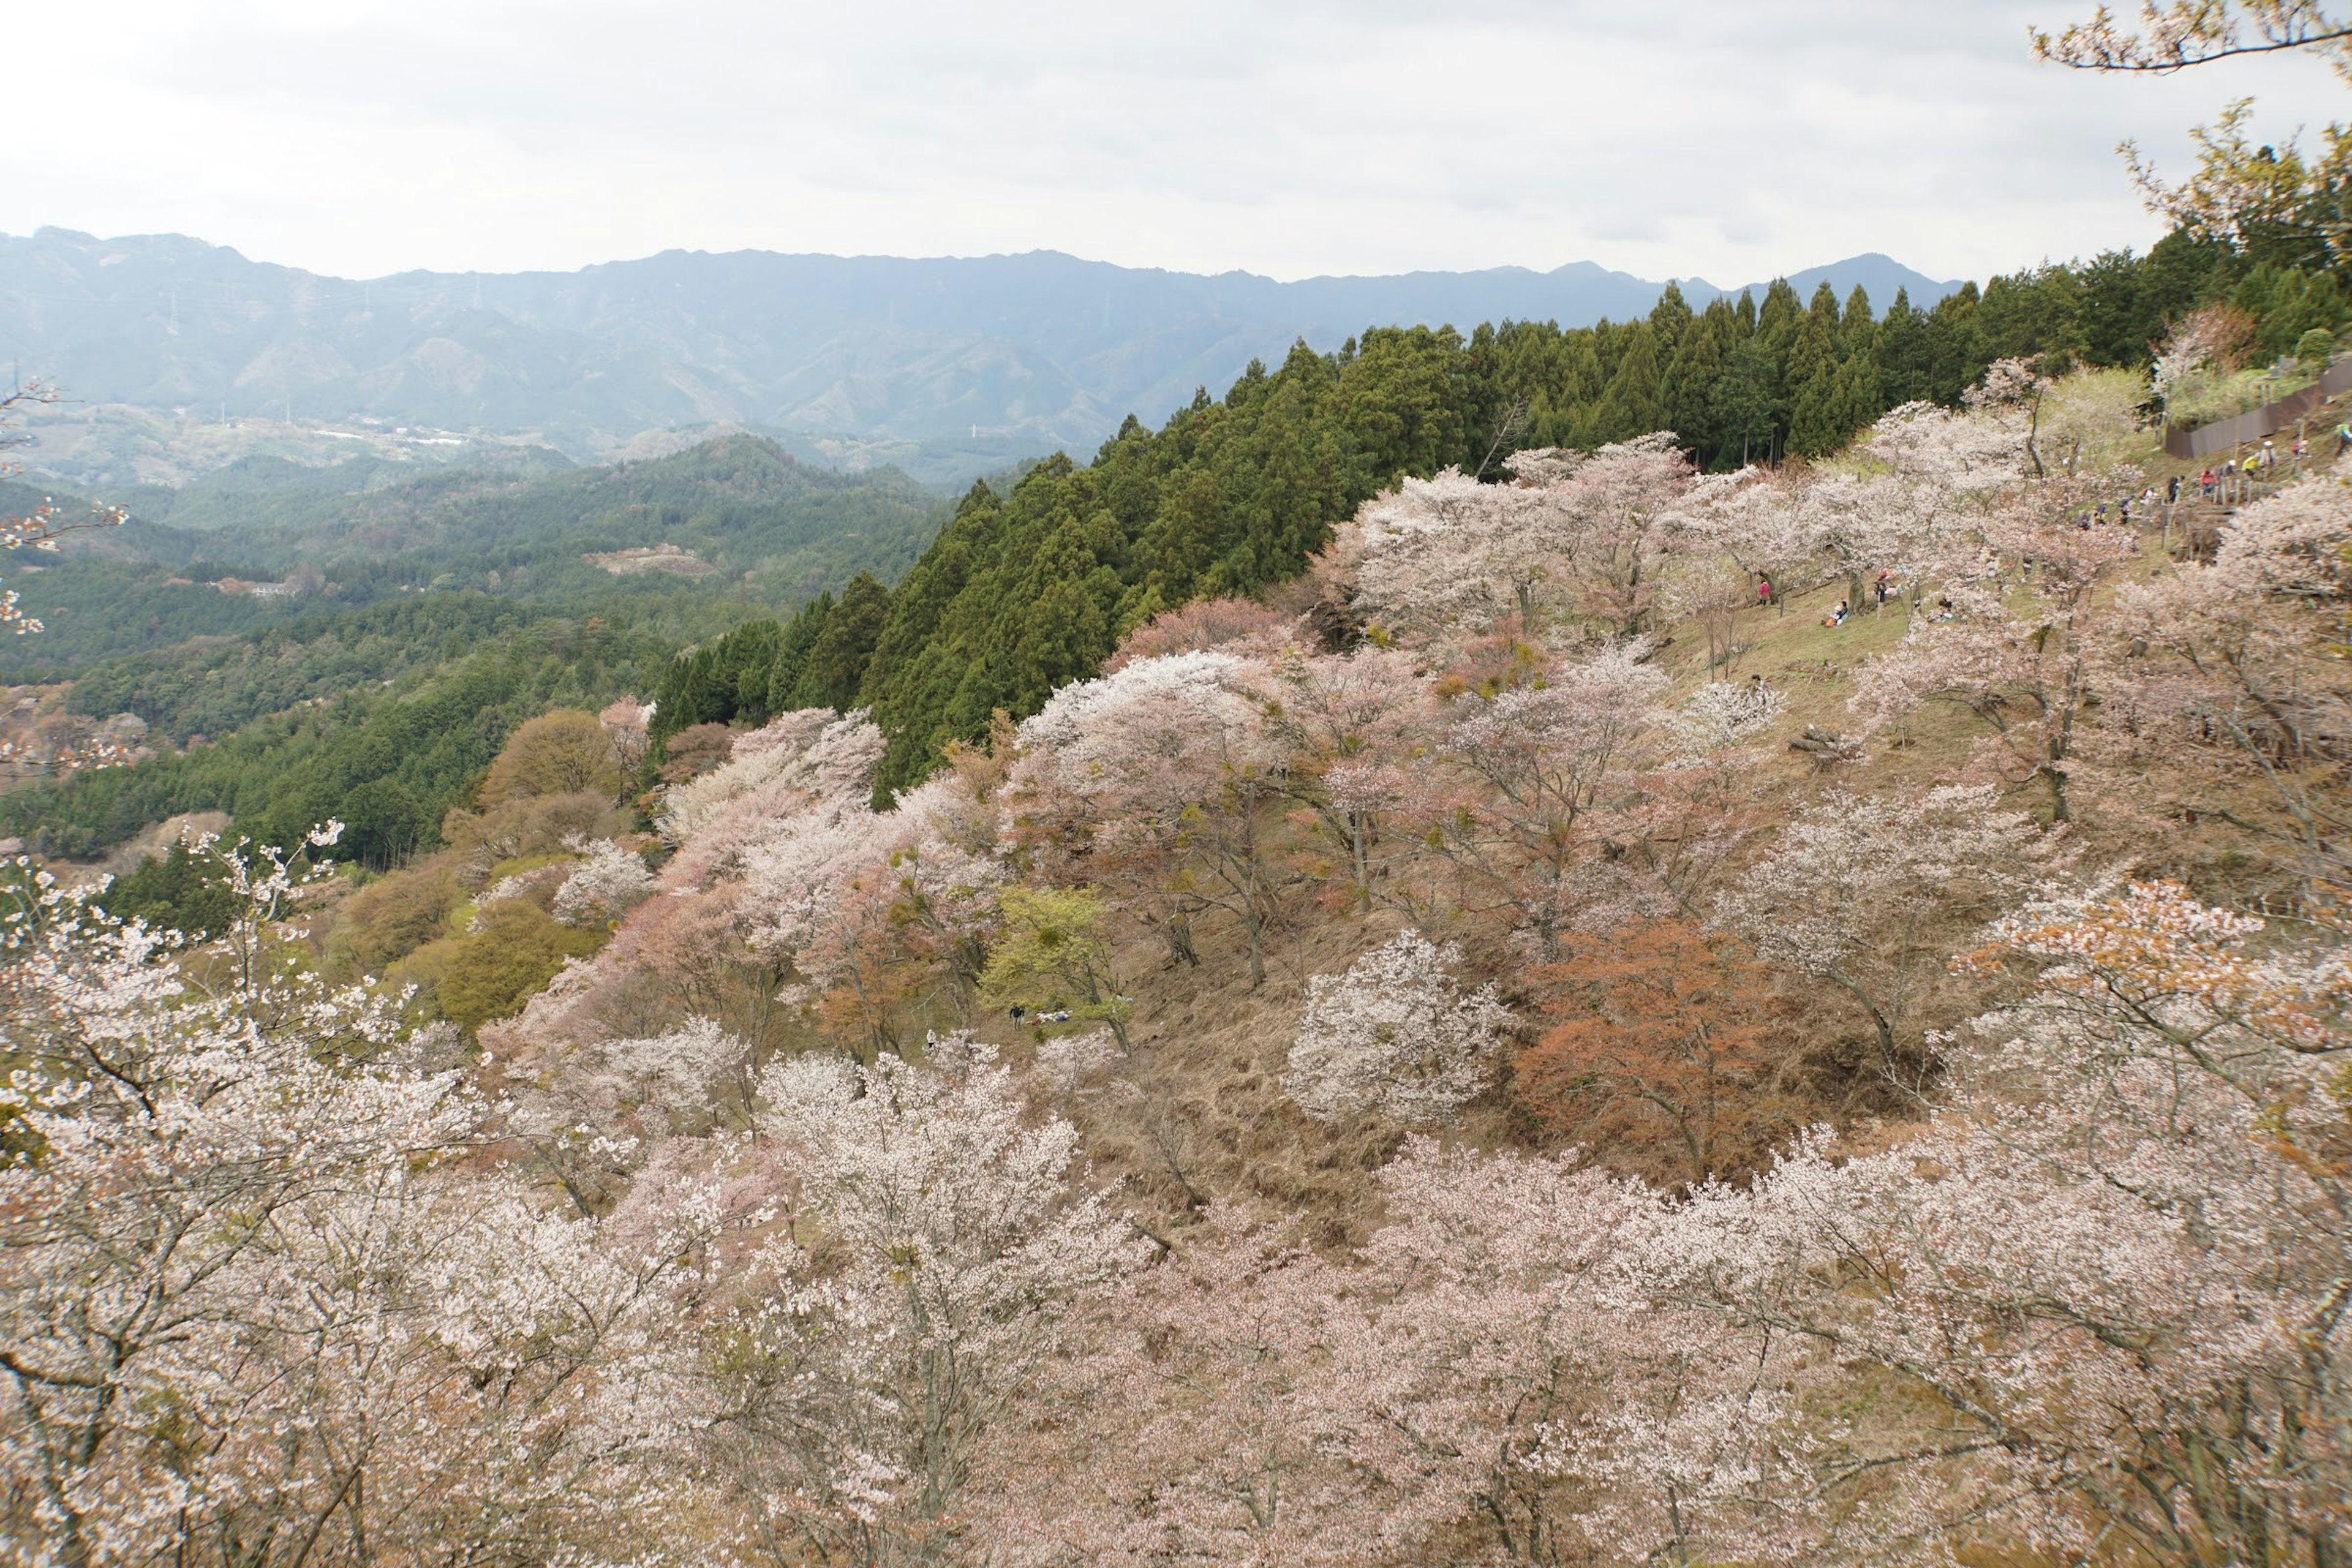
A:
{"points": [[1670, 1054]]}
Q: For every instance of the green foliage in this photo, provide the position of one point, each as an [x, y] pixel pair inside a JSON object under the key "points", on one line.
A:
{"points": [[93, 609], [1053, 955], [753, 527], [516, 949], [748, 675], [2287, 303], [183, 891], [211, 686], [837, 659], [392, 764]]}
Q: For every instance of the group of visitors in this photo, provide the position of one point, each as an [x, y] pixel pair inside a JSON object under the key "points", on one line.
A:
{"points": [[2264, 461], [1882, 588]]}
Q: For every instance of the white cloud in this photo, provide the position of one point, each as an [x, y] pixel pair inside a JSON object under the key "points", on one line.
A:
{"points": [[1721, 138]]}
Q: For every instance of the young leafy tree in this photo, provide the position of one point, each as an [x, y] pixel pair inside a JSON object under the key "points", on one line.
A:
{"points": [[1053, 952], [564, 753]]}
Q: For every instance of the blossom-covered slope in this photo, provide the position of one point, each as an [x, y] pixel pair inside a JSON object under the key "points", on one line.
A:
{"points": [[1586, 1032]]}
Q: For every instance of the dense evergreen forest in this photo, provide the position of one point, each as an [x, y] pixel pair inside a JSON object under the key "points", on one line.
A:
{"points": [[387, 754]]}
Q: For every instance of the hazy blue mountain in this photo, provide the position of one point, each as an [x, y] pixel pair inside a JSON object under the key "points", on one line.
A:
{"points": [[995, 353]]}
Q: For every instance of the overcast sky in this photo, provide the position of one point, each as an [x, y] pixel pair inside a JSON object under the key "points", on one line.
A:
{"points": [[1724, 139]]}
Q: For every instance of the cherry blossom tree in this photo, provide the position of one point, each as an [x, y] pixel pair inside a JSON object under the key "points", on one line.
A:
{"points": [[1725, 713], [1582, 532], [1187, 1428], [626, 719], [1243, 627], [1858, 889], [2228, 665], [802, 760], [937, 1247], [2102, 1290], [1505, 1390], [949, 872], [1615, 515], [1395, 1036], [1165, 766], [1754, 519], [2175, 36], [608, 884], [1448, 549], [1547, 771], [1913, 493], [1346, 724], [593, 1113], [2024, 664], [251, 1309]]}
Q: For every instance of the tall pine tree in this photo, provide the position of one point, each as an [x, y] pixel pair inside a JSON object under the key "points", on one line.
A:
{"points": [[1632, 406], [1692, 374], [1814, 416]]}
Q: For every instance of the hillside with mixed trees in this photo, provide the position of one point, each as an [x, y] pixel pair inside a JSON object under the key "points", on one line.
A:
{"points": [[1511, 1047], [1025, 591], [1717, 937], [1025, 585]]}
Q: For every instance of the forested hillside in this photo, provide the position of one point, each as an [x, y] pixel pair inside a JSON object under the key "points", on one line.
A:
{"points": [[1025, 591], [357, 644], [307, 729], [743, 521], [1575, 1059]]}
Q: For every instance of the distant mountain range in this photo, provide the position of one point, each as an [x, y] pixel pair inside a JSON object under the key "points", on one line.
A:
{"points": [[998, 355]]}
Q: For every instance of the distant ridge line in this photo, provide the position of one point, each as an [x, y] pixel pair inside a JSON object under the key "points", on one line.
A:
{"points": [[1003, 355]]}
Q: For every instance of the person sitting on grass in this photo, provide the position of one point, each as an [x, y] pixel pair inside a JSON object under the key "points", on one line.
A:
{"points": [[1836, 617]]}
